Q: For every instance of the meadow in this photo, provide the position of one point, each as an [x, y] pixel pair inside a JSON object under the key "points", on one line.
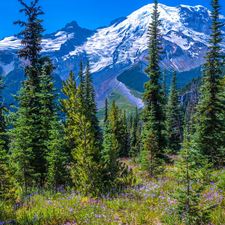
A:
{"points": [[148, 201]]}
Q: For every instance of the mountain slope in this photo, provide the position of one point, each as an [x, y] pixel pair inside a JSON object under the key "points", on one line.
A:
{"points": [[123, 44]]}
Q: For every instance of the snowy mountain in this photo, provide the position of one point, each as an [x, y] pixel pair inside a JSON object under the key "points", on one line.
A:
{"points": [[116, 48]]}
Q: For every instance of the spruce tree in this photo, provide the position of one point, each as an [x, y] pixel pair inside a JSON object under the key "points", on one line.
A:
{"points": [[188, 190], [125, 148], [153, 96], [4, 155], [133, 139], [56, 155], [81, 80], [111, 149], [23, 159], [174, 118], [91, 109], [85, 168], [106, 110], [115, 174], [210, 124], [149, 160], [164, 89], [39, 87]]}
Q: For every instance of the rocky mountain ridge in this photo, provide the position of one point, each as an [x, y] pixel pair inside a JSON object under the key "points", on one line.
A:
{"points": [[123, 44]]}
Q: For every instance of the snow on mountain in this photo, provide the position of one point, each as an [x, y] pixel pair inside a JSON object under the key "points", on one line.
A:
{"points": [[113, 49]]}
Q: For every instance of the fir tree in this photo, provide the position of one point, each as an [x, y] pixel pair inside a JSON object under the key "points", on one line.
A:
{"points": [[149, 160], [133, 139], [56, 155], [23, 159], [188, 193], [85, 168], [110, 150], [81, 81], [39, 87], [91, 109], [174, 118], [125, 148], [106, 110], [153, 96], [164, 89], [115, 174], [210, 125], [32, 39]]}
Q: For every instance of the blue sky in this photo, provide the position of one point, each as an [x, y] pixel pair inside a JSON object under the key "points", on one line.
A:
{"points": [[88, 13]]}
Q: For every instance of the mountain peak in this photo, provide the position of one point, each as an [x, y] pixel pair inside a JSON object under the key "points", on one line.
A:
{"points": [[71, 25]]}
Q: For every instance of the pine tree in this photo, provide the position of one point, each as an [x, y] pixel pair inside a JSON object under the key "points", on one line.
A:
{"points": [[91, 109], [188, 191], [85, 168], [125, 147], [23, 159], [106, 110], [114, 174], [81, 81], [32, 39], [164, 89], [149, 159], [4, 156], [133, 139], [174, 118], [110, 150], [153, 96], [210, 124], [39, 87], [56, 155]]}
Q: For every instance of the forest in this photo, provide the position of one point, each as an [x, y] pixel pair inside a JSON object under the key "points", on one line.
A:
{"points": [[163, 164]]}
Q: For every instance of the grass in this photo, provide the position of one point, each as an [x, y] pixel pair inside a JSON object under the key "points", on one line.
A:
{"points": [[147, 202]]}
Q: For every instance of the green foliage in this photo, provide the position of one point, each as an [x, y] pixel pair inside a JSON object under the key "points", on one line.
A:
{"points": [[187, 192], [135, 134], [210, 123], [56, 156], [150, 157], [86, 155], [174, 120], [106, 110], [153, 96]]}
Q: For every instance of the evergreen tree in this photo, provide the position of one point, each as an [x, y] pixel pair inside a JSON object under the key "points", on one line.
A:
{"points": [[210, 124], [187, 192], [115, 174], [81, 81], [174, 118], [4, 173], [164, 89], [133, 139], [111, 149], [106, 110], [91, 109], [125, 148], [86, 167], [32, 40], [23, 159], [56, 155], [39, 87], [153, 96], [4, 156], [149, 160]]}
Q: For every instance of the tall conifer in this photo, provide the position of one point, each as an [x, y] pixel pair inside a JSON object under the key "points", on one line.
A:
{"points": [[174, 118], [210, 127], [153, 96]]}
